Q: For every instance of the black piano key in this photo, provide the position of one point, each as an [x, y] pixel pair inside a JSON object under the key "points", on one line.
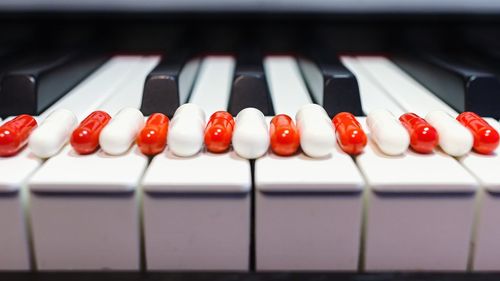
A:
{"points": [[249, 87], [463, 86], [34, 86], [169, 84], [331, 84]]}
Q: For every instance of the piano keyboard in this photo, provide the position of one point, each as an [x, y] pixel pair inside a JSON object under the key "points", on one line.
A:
{"points": [[263, 203]]}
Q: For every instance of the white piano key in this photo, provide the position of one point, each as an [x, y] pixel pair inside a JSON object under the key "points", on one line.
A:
{"points": [[129, 93], [197, 212], [401, 87], [308, 212], [92, 92], [213, 86], [17, 169], [486, 255], [98, 189], [372, 95], [420, 211], [287, 88]]}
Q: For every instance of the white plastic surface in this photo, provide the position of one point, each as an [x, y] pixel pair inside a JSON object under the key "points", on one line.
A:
{"points": [[203, 173], [287, 88], [412, 172], [372, 96], [212, 88], [69, 172], [407, 92]]}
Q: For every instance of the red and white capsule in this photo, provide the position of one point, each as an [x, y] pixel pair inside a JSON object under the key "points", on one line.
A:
{"points": [[285, 138], [350, 136], [85, 138], [423, 136], [219, 132], [486, 138], [14, 134], [152, 139]]}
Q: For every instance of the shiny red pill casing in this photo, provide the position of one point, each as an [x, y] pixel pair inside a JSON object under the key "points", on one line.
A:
{"points": [[423, 136], [152, 139], [219, 132], [486, 138], [350, 135], [85, 138], [285, 138], [14, 134]]}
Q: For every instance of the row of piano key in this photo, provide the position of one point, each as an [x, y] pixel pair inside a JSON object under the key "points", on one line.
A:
{"points": [[92, 211]]}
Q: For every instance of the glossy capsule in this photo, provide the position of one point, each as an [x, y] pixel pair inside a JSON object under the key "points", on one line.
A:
{"points": [[285, 138], [85, 138], [350, 136], [387, 132], [14, 134], [454, 139], [486, 138], [219, 132], [152, 139], [423, 136]]}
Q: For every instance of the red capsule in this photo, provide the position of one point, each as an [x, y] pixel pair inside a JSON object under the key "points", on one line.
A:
{"points": [[85, 138], [284, 134], [486, 138], [423, 136], [152, 139], [14, 134], [350, 135], [219, 132]]}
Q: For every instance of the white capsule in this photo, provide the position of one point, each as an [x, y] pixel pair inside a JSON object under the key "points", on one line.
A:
{"points": [[117, 137], [186, 132], [387, 132], [251, 134], [454, 139], [53, 133], [317, 136]]}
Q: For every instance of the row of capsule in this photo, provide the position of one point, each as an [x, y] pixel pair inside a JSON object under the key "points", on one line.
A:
{"points": [[248, 133]]}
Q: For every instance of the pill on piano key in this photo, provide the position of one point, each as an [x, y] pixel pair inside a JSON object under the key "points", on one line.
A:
{"points": [[350, 136], [317, 136], [251, 135], [117, 137], [153, 137], [219, 132], [14, 134], [53, 133], [285, 139], [186, 132], [423, 137], [387, 132], [85, 138], [454, 138], [486, 138]]}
